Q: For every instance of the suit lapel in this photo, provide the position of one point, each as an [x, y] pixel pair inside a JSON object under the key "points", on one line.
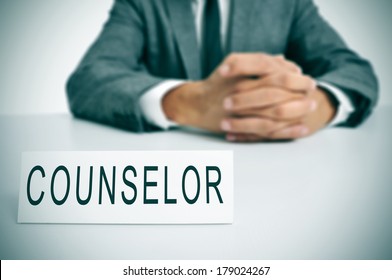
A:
{"points": [[242, 20], [182, 20]]}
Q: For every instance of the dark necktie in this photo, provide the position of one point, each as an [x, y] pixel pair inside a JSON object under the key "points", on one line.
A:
{"points": [[212, 53]]}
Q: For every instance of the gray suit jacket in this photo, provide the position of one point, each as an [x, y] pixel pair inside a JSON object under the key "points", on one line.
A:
{"points": [[145, 42]]}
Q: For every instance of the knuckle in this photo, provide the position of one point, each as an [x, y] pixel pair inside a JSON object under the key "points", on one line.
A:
{"points": [[303, 108], [309, 82], [280, 58], [230, 59], [300, 131], [295, 133], [269, 95], [305, 102], [236, 102], [287, 80], [290, 134], [307, 79], [279, 111], [233, 124], [262, 58], [270, 80], [239, 87], [233, 57], [234, 61], [265, 127], [292, 66]]}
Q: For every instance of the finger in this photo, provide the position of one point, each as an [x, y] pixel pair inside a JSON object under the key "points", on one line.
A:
{"points": [[291, 132], [245, 138], [256, 126], [289, 81], [242, 137], [244, 85], [283, 61], [289, 110], [253, 64], [258, 98]]}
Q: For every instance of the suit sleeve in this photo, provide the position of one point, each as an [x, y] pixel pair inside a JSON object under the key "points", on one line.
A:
{"points": [[317, 47], [111, 77]]}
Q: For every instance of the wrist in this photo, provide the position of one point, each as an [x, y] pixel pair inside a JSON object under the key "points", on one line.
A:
{"points": [[327, 105], [181, 104]]}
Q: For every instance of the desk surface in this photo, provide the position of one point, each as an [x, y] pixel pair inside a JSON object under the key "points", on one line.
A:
{"points": [[325, 197]]}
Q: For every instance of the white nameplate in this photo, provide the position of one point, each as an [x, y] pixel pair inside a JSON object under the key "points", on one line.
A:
{"points": [[129, 187]]}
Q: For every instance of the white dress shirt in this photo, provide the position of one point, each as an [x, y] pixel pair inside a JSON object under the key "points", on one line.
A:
{"points": [[151, 100]]}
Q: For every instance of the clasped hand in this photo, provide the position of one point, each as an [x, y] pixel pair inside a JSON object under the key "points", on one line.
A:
{"points": [[252, 97]]}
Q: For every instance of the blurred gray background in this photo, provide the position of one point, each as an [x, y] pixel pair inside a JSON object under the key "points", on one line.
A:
{"points": [[43, 40]]}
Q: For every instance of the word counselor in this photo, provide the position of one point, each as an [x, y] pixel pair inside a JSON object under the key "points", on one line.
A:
{"points": [[127, 187], [128, 171]]}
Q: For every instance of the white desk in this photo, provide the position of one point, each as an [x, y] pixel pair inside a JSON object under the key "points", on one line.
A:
{"points": [[325, 197]]}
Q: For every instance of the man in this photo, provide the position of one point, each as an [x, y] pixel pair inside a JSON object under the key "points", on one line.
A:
{"points": [[252, 70]]}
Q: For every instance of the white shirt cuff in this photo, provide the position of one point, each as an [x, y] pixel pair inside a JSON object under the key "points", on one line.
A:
{"points": [[151, 104], [344, 108]]}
